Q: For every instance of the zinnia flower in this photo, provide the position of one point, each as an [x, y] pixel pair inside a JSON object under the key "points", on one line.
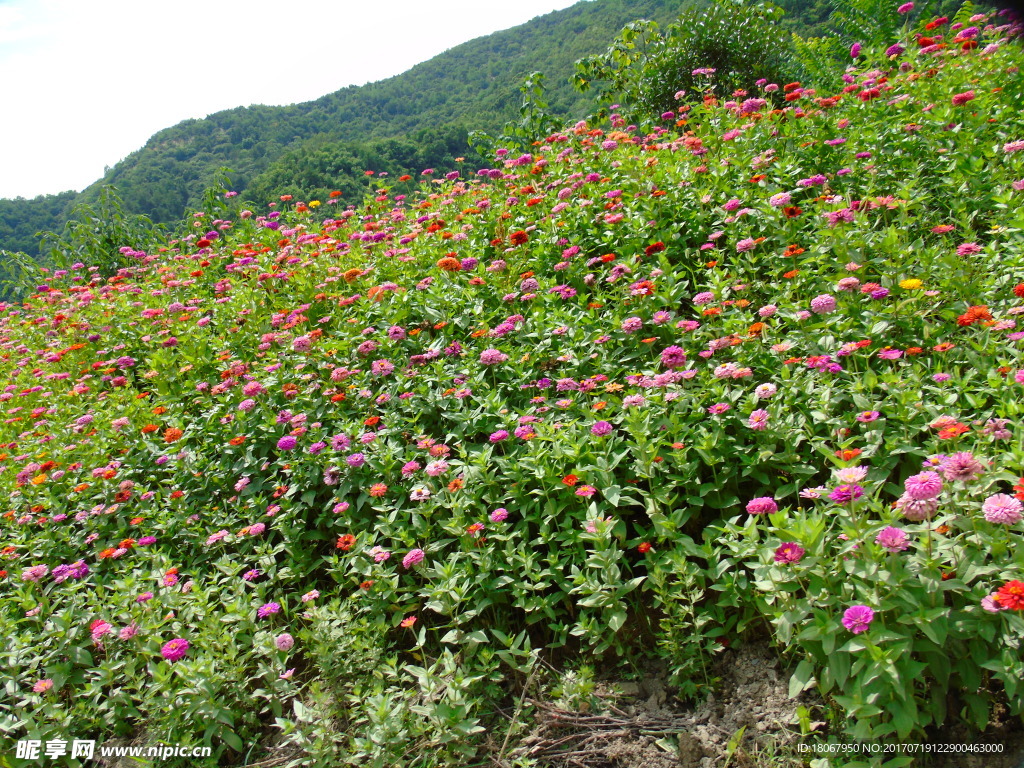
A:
{"points": [[1011, 595], [1002, 509], [764, 505], [284, 642], [858, 618], [175, 649], [926, 485], [789, 552], [891, 538], [415, 556]]}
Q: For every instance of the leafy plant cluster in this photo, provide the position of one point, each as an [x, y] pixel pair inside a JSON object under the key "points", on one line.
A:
{"points": [[632, 391]]}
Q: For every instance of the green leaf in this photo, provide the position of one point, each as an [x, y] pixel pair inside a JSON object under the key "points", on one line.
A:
{"points": [[802, 679]]}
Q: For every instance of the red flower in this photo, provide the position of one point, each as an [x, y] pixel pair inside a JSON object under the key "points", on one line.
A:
{"points": [[849, 454], [518, 237], [654, 248], [570, 480], [1011, 595], [1018, 290], [345, 542], [644, 547]]}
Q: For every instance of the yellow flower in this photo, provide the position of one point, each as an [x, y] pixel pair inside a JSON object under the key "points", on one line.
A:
{"points": [[911, 285], [314, 203]]}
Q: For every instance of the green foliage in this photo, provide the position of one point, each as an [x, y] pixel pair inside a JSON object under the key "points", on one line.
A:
{"points": [[100, 233], [647, 68], [378, 467]]}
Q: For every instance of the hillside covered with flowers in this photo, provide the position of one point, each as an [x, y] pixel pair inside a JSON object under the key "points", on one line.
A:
{"points": [[336, 478]]}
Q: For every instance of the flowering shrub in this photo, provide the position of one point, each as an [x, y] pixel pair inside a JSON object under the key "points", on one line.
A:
{"points": [[308, 465]]}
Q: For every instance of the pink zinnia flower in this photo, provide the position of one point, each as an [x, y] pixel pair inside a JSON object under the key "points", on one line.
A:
{"points": [[892, 538], [415, 556], [858, 618], [284, 642], [758, 420], [789, 552], [823, 304], [962, 466], [764, 505], [42, 686], [926, 485], [1002, 509], [962, 98], [492, 357], [499, 514], [175, 649]]}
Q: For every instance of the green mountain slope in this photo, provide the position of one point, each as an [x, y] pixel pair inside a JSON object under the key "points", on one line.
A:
{"points": [[474, 85]]}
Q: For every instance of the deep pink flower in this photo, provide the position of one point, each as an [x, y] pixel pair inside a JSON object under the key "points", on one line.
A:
{"points": [[858, 618], [762, 506], [789, 552], [175, 649]]}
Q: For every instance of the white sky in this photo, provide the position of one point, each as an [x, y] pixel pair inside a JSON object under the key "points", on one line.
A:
{"points": [[85, 83]]}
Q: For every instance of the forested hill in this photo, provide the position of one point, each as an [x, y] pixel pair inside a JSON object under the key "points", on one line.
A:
{"points": [[427, 109]]}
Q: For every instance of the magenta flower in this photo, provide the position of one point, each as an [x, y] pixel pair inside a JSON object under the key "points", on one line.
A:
{"points": [[718, 408], [858, 618], [268, 609], [286, 443], [175, 650], [843, 494], [601, 428], [764, 505], [866, 417], [789, 552], [673, 357], [499, 514]]}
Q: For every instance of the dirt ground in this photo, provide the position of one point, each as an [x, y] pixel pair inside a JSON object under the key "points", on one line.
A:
{"points": [[644, 726]]}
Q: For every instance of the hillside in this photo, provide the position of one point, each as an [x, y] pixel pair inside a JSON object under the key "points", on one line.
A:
{"points": [[473, 85], [383, 484]]}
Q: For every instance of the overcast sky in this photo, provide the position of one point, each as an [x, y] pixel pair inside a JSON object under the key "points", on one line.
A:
{"points": [[86, 83]]}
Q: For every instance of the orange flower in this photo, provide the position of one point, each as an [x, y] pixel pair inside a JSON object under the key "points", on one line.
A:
{"points": [[518, 237], [377, 490], [345, 542], [106, 553], [608, 257], [455, 484], [570, 480], [791, 274], [449, 264], [126, 544], [39, 479], [351, 275], [372, 421], [755, 329], [600, 405], [849, 454], [149, 428], [408, 621], [172, 434], [237, 440], [159, 410]]}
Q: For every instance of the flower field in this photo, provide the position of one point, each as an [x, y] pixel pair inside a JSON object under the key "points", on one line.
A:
{"points": [[335, 476]]}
